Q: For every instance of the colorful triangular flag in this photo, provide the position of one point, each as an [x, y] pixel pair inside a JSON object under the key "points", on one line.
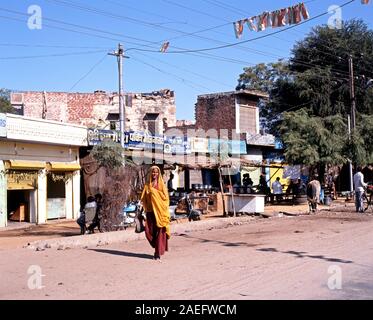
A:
{"points": [[238, 28], [164, 47]]}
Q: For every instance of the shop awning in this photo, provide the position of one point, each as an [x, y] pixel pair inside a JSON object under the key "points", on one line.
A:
{"points": [[25, 165], [63, 166]]}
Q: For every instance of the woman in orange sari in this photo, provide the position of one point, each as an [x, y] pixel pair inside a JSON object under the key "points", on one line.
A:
{"points": [[155, 201]]}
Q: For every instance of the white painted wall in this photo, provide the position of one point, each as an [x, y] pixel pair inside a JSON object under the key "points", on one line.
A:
{"points": [[33, 202], [42, 198], [14, 150], [69, 198], [76, 194]]}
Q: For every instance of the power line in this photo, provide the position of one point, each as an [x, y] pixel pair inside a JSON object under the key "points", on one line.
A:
{"points": [[185, 70], [257, 38], [202, 55], [255, 51], [89, 71], [152, 14], [78, 26], [233, 8], [52, 55], [116, 16], [25, 45], [177, 77], [105, 13], [230, 60]]}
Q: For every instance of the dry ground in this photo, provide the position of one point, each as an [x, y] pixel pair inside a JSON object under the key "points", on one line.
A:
{"points": [[278, 258]]}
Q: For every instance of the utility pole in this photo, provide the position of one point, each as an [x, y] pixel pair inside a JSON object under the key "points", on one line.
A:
{"points": [[119, 54], [351, 127], [352, 93], [349, 162]]}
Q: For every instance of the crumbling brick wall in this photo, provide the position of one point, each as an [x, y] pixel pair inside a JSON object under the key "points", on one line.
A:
{"points": [[215, 112], [218, 111], [93, 109]]}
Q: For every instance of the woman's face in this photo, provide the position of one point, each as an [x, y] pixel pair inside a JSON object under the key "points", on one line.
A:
{"points": [[155, 174]]}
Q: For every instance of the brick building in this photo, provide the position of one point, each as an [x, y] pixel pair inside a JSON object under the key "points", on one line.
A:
{"points": [[236, 110], [153, 111], [237, 114]]}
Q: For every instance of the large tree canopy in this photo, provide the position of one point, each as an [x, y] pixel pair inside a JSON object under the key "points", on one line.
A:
{"points": [[310, 95]]}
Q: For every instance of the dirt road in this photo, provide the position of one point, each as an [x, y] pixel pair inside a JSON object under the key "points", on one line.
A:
{"points": [[280, 258]]}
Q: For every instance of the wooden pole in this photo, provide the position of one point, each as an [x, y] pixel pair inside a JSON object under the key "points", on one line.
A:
{"points": [[230, 181], [222, 191]]}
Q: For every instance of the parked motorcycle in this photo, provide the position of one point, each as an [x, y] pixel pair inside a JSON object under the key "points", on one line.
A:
{"points": [[191, 214], [132, 214]]}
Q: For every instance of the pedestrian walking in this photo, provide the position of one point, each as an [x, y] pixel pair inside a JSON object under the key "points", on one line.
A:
{"points": [[359, 189], [97, 219], [155, 202]]}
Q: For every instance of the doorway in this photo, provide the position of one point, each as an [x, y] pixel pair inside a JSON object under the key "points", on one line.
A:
{"points": [[18, 205]]}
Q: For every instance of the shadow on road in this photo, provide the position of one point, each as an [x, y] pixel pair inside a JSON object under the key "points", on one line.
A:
{"points": [[224, 243], [301, 254], [124, 254]]}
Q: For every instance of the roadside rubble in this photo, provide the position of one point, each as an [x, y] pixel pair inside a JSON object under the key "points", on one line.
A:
{"points": [[106, 238]]}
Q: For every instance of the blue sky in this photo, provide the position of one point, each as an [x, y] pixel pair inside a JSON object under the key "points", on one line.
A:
{"points": [[69, 52]]}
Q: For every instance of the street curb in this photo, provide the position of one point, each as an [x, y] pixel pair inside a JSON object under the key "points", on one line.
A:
{"points": [[106, 238]]}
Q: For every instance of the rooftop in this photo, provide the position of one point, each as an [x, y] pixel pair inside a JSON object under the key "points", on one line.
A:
{"points": [[255, 93]]}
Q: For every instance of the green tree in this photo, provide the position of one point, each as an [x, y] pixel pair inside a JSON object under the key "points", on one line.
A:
{"points": [[316, 79], [5, 106], [313, 140], [109, 154]]}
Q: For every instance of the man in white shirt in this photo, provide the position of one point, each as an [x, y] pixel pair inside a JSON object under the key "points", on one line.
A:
{"points": [[277, 188], [359, 189]]}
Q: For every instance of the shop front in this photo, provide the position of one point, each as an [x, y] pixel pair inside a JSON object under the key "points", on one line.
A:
{"points": [[21, 186], [39, 170], [62, 183]]}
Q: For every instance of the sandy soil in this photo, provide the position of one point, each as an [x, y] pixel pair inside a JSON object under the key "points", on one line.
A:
{"points": [[277, 258], [18, 237]]}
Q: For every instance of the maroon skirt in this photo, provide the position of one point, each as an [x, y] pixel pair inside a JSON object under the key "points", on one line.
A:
{"points": [[156, 236]]}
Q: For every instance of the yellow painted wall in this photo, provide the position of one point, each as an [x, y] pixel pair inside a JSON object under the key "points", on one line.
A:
{"points": [[276, 172], [254, 174]]}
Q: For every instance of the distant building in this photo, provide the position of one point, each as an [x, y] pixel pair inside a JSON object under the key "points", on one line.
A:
{"points": [[155, 111]]}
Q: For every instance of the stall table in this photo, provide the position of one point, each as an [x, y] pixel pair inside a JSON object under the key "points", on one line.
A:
{"points": [[246, 203]]}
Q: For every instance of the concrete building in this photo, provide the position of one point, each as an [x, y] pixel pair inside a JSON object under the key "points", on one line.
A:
{"points": [[39, 169], [153, 111]]}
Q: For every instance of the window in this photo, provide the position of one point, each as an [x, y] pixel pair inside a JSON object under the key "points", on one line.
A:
{"points": [[151, 122]]}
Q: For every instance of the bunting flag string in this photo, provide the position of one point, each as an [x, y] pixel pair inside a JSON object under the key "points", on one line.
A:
{"points": [[274, 19]]}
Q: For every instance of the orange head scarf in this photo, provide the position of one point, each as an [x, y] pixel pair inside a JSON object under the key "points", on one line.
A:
{"points": [[157, 201]]}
